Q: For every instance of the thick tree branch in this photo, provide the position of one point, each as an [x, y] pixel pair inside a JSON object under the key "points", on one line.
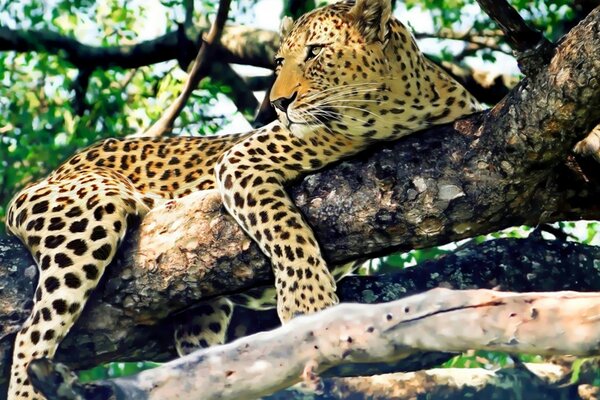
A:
{"points": [[239, 44], [437, 320], [108, 330]]}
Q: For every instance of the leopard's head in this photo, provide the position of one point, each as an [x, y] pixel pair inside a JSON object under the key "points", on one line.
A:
{"points": [[332, 68], [352, 69]]}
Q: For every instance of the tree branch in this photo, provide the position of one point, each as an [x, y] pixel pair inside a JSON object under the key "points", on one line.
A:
{"points": [[241, 94], [241, 45], [109, 328], [532, 381], [80, 86], [533, 50], [238, 44], [489, 41], [165, 122], [438, 320]]}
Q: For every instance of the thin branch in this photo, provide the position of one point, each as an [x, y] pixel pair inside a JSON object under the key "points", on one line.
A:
{"points": [[266, 112], [165, 123], [533, 50], [128, 78], [241, 94], [482, 41], [189, 13], [259, 83], [80, 86]]}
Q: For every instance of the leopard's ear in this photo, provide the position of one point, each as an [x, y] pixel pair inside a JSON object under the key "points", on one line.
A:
{"points": [[286, 26], [372, 18]]}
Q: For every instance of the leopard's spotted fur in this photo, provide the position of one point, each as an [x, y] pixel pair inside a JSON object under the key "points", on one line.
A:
{"points": [[348, 75]]}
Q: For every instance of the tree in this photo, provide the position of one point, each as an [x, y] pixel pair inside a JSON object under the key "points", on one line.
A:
{"points": [[68, 94]]}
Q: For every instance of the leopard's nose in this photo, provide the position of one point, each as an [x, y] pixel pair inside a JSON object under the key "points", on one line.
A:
{"points": [[283, 103]]}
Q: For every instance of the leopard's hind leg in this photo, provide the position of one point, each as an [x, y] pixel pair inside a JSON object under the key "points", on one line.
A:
{"points": [[206, 326], [72, 226]]}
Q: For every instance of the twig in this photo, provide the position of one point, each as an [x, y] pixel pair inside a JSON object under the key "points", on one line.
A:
{"points": [[481, 40], [165, 123], [80, 86]]}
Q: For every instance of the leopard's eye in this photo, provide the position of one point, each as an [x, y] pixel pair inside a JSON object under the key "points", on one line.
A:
{"points": [[278, 62], [312, 51]]}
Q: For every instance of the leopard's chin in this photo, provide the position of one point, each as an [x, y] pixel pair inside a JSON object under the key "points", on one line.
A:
{"points": [[301, 130]]}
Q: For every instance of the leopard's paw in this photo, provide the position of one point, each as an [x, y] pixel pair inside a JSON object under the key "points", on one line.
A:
{"points": [[305, 292], [590, 145]]}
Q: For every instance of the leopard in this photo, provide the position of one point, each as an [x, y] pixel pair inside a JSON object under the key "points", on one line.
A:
{"points": [[348, 76]]}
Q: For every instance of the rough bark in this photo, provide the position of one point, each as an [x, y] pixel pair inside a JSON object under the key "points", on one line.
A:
{"points": [[489, 171], [437, 320]]}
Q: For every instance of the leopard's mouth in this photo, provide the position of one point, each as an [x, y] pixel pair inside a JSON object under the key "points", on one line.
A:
{"points": [[319, 117]]}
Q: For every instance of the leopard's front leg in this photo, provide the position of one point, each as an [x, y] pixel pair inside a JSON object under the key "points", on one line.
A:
{"points": [[250, 177]]}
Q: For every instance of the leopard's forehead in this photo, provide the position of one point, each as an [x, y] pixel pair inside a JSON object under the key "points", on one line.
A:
{"points": [[318, 26]]}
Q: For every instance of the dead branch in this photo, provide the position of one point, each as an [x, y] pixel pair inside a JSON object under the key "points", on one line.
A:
{"points": [[165, 122], [530, 381], [437, 320]]}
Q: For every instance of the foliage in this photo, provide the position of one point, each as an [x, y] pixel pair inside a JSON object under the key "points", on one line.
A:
{"points": [[548, 16], [113, 370]]}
